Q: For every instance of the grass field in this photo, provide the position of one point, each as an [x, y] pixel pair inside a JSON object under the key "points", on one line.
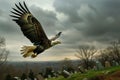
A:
{"points": [[89, 74]]}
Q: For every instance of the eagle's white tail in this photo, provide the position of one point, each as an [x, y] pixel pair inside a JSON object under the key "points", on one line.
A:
{"points": [[28, 51]]}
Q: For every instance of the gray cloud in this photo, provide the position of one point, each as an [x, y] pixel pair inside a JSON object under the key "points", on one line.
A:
{"points": [[82, 22], [47, 19], [95, 20]]}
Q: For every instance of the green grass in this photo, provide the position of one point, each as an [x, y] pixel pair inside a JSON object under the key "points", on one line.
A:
{"points": [[89, 74]]}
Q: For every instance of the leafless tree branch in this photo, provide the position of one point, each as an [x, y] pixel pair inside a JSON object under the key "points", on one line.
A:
{"points": [[86, 53], [3, 52]]}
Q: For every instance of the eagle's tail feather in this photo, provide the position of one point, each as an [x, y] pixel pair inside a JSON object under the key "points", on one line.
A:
{"points": [[28, 51]]}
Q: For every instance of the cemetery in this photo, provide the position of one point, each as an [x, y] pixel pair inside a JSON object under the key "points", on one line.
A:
{"points": [[92, 74], [98, 72]]}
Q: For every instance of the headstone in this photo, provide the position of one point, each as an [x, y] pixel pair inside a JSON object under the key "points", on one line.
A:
{"points": [[66, 73], [39, 77], [107, 64], [55, 74], [94, 67], [99, 65], [113, 63], [49, 76], [17, 78], [75, 72], [59, 72], [81, 69], [116, 63], [46, 79], [36, 79], [86, 70], [85, 78]]}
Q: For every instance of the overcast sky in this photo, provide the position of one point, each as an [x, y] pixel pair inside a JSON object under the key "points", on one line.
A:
{"points": [[93, 22]]}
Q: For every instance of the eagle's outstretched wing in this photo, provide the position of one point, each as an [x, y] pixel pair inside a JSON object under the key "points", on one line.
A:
{"points": [[29, 25]]}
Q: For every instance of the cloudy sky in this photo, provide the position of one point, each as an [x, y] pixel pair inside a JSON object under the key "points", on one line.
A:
{"points": [[93, 22]]}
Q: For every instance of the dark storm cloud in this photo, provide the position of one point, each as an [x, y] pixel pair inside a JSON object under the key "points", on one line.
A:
{"points": [[67, 7], [81, 21], [95, 20], [47, 18]]}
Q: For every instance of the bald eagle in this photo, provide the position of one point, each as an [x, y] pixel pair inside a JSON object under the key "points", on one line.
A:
{"points": [[33, 30]]}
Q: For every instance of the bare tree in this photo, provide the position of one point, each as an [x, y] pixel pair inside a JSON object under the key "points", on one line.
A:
{"points": [[86, 53], [114, 49], [3, 52], [112, 52], [3, 57], [67, 64], [104, 56]]}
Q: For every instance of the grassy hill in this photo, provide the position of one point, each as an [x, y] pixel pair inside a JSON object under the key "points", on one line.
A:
{"points": [[91, 74]]}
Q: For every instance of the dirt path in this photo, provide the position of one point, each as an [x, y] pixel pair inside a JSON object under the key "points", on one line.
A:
{"points": [[113, 76]]}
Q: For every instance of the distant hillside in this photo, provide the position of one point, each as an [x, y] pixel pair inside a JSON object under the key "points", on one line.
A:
{"points": [[56, 65]]}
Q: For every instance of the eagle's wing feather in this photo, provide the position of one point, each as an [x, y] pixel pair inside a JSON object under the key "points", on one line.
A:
{"points": [[29, 25]]}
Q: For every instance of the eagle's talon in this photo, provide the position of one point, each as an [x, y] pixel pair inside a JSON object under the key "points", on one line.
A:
{"points": [[27, 51], [34, 55]]}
